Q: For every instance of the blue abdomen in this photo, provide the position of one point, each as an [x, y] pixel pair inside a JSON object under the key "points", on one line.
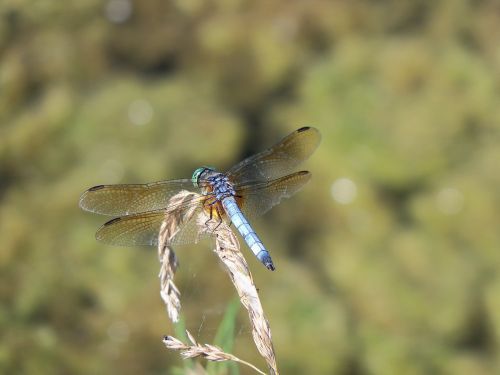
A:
{"points": [[246, 231]]}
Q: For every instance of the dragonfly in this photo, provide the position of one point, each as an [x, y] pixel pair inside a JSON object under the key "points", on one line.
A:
{"points": [[247, 190]]}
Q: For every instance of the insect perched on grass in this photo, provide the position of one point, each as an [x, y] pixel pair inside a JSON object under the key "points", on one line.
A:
{"points": [[249, 189]]}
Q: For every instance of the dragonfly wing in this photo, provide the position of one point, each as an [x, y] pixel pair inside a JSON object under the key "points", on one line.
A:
{"points": [[120, 200], [132, 230], [143, 230], [279, 160], [259, 198]]}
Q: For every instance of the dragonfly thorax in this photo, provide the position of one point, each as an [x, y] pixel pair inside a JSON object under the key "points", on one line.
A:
{"points": [[213, 183], [221, 187]]}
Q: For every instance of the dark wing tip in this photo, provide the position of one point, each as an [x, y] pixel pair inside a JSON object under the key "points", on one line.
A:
{"points": [[303, 173], [100, 236], [83, 203], [112, 221], [314, 133], [307, 128], [94, 188]]}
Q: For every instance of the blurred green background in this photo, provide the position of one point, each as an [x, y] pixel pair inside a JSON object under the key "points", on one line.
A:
{"points": [[387, 262]]}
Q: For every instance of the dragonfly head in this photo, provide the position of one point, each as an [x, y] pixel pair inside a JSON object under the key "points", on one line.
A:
{"points": [[198, 172]]}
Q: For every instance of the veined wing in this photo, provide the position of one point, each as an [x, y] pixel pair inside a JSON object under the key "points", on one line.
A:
{"points": [[144, 228], [259, 198], [277, 161], [132, 230], [119, 200]]}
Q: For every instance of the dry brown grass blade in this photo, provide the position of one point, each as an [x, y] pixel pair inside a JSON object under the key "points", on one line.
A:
{"points": [[209, 352], [228, 250], [169, 228]]}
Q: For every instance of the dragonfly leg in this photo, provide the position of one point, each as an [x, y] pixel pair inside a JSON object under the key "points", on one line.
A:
{"points": [[219, 222], [211, 208], [217, 208], [212, 205]]}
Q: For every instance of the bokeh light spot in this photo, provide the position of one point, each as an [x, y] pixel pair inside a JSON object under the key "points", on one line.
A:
{"points": [[118, 11], [140, 112], [449, 201], [344, 190]]}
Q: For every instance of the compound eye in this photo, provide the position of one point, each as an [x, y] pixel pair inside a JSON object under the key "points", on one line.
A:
{"points": [[197, 174]]}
